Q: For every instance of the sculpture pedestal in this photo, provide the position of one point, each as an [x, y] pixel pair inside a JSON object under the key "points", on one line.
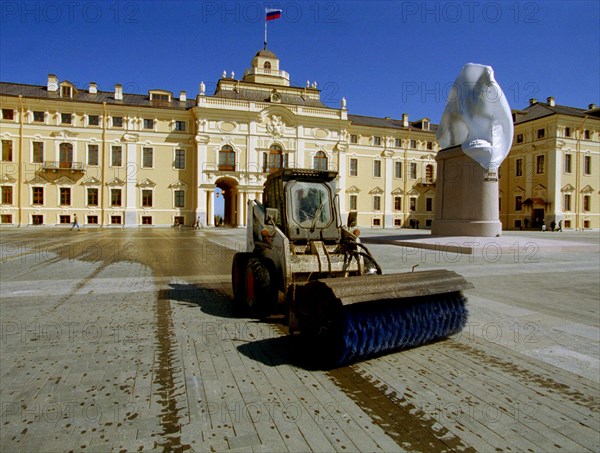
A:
{"points": [[466, 197]]}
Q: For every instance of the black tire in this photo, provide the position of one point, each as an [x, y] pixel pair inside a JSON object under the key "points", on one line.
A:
{"points": [[260, 288], [238, 278]]}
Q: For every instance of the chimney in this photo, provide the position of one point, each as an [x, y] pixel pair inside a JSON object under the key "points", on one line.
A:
{"points": [[405, 120], [52, 82], [550, 101], [182, 96], [592, 106], [532, 101], [118, 92], [93, 88]]}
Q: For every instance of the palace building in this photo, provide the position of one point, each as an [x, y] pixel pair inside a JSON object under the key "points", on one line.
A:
{"points": [[157, 159]]}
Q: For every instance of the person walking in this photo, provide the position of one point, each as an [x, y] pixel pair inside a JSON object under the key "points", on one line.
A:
{"points": [[75, 223]]}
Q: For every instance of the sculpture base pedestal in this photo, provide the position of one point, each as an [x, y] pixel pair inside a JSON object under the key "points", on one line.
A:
{"points": [[466, 198]]}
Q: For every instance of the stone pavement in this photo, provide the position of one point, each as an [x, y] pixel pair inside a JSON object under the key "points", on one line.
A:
{"points": [[125, 340]]}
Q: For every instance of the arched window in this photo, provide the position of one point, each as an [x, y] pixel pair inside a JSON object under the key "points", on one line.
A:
{"points": [[429, 173], [267, 65], [320, 161], [65, 155], [226, 159], [274, 159]]}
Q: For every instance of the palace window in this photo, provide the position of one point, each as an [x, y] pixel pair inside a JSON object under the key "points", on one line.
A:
{"points": [[92, 197], [353, 138], [115, 197], [7, 195], [377, 141], [587, 199], [413, 203], [320, 161], [37, 195], [117, 121], [377, 169], [587, 165], [429, 173], [180, 126], [429, 145], [541, 133], [274, 159], [398, 203], [147, 198], [519, 167], [586, 134], [93, 120], [65, 155], [92, 155], [398, 143], [6, 218], [116, 158], [518, 203], [66, 91], [429, 204], [8, 114], [147, 157], [568, 159], [376, 202], [353, 167], [567, 131], [146, 220], [66, 118], [539, 164], [7, 150], [115, 220], [37, 219], [65, 219], [179, 159], [567, 202], [179, 198], [227, 158], [413, 144], [519, 138], [398, 169], [148, 123], [413, 170], [92, 220], [39, 117], [38, 153], [65, 196], [353, 202]]}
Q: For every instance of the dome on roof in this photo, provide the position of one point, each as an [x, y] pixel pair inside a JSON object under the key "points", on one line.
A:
{"points": [[265, 53]]}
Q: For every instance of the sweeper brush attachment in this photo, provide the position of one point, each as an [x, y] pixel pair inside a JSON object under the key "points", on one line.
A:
{"points": [[358, 317]]}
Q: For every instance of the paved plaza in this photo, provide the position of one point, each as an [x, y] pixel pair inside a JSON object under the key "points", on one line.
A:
{"points": [[126, 340]]}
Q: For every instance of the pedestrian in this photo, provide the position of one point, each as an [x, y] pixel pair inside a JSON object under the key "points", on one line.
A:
{"points": [[560, 225], [552, 225], [75, 223], [543, 227]]}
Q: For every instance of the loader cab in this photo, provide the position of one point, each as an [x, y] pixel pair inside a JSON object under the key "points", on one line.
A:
{"points": [[306, 204], [310, 211]]}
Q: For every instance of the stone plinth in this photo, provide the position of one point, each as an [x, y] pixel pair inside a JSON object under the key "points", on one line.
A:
{"points": [[466, 198]]}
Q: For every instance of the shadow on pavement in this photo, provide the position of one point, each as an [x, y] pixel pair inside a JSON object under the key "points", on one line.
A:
{"points": [[210, 300]]}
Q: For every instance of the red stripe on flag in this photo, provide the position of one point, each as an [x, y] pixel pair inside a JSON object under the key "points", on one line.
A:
{"points": [[272, 15]]}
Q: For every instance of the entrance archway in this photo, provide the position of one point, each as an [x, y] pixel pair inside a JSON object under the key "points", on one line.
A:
{"points": [[227, 188]]}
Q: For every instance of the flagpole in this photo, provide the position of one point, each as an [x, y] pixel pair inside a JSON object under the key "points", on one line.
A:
{"points": [[265, 31]]}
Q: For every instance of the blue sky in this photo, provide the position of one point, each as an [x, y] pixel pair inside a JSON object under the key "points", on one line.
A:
{"points": [[385, 57]]}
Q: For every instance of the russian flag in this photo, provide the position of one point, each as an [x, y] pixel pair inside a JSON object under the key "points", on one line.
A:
{"points": [[273, 14]]}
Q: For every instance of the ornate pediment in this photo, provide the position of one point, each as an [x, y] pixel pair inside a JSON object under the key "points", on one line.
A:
{"points": [[91, 181], [376, 191], [146, 183], [567, 188], [179, 184], [518, 189], [353, 189], [115, 182], [37, 179], [65, 133], [587, 189], [413, 192], [7, 179], [130, 138], [64, 181], [398, 191]]}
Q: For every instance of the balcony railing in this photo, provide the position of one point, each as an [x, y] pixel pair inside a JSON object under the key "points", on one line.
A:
{"points": [[269, 72], [58, 165], [427, 181]]}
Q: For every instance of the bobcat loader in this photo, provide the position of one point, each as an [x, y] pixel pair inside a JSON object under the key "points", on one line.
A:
{"points": [[333, 289]]}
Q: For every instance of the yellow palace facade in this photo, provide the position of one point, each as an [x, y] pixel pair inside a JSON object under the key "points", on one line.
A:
{"points": [[116, 159]]}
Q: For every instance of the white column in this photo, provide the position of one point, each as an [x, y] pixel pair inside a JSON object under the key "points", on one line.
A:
{"points": [[240, 209], [387, 196], [300, 147], [342, 184], [131, 169], [200, 192], [210, 210]]}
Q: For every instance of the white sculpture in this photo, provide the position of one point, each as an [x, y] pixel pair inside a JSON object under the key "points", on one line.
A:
{"points": [[478, 117]]}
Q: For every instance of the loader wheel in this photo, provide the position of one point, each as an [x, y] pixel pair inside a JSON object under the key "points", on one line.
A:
{"points": [[238, 277], [260, 289]]}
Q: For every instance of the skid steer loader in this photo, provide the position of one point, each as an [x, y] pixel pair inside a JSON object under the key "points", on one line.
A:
{"points": [[332, 288]]}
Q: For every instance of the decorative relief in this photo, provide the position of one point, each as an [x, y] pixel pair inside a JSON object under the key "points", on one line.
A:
{"points": [[320, 133], [275, 126], [226, 126]]}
